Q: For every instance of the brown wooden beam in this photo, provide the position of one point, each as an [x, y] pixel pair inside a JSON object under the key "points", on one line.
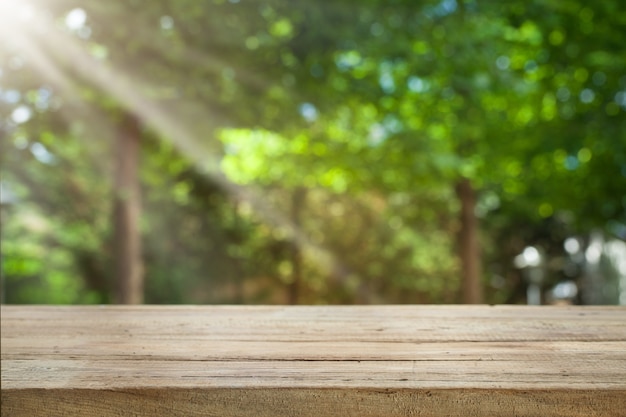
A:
{"points": [[313, 360]]}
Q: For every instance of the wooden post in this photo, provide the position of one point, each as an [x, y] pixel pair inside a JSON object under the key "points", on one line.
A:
{"points": [[313, 361]]}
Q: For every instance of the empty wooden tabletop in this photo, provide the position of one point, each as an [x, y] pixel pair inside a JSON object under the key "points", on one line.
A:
{"points": [[313, 361]]}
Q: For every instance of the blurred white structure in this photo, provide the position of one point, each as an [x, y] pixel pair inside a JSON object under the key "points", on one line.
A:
{"points": [[530, 261], [604, 274]]}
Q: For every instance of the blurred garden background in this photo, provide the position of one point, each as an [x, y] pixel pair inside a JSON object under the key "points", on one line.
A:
{"points": [[313, 152]]}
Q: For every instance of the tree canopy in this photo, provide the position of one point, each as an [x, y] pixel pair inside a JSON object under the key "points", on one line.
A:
{"points": [[309, 152]]}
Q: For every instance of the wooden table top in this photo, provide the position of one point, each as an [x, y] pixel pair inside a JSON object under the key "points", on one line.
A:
{"points": [[313, 360]]}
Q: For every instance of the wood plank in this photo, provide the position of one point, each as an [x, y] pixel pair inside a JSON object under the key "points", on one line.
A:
{"points": [[313, 360]]}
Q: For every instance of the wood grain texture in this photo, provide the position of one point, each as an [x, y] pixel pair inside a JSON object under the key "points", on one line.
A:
{"points": [[313, 361]]}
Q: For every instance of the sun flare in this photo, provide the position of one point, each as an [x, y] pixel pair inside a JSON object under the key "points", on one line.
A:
{"points": [[45, 43], [16, 17]]}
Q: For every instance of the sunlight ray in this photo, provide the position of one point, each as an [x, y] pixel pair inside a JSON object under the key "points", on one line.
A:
{"points": [[64, 88], [106, 78]]}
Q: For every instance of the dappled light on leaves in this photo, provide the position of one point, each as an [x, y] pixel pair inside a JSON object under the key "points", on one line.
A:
{"points": [[311, 152]]}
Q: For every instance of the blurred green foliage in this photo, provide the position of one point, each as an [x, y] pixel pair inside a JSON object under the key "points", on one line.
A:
{"points": [[375, 108]]}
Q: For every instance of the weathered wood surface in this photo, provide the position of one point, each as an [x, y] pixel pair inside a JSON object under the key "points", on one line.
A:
{"points": [[313, 361]]}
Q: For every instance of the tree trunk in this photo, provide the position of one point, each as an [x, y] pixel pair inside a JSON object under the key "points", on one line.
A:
{"points": [[297, 203], [468, 245], [128, 261], [237, 260]]}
